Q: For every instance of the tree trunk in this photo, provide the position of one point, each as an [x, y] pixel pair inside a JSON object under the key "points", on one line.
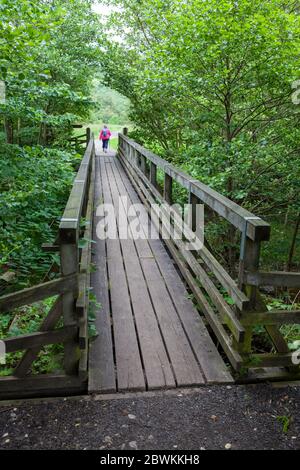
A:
{"points": [[9, 131]]}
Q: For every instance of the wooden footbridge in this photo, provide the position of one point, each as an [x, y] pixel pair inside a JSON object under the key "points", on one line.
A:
{"points": [[161, 318]]}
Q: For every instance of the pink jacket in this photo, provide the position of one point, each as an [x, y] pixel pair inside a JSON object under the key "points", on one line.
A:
{"points": [[108, 135]]}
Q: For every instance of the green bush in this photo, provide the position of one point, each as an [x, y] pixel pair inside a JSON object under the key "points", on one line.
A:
{"points": [[34, 187]]}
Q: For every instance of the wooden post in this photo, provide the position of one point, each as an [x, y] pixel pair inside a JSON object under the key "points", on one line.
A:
{"points": [[137, 158], [143, 164], [153, 174], [125, 131], [69, 265], [88, 135], [168, 189], [193, 201], [251, 264], [249, 261]]}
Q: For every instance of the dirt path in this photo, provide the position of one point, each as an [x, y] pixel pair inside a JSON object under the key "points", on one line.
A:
{"points": [[239, 417]]}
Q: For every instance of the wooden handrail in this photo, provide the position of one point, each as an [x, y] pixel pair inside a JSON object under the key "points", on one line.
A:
{"points": [[39, 292], [257, 229], [141, 166], [70, 222]]}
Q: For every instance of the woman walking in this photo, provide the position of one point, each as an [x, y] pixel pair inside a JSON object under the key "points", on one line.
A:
{"points": [[105, 135]]}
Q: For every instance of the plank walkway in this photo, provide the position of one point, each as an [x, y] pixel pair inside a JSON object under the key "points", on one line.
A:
{"points": [[150, 336]]}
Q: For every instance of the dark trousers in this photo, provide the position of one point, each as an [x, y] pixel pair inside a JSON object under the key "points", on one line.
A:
{"points": [[105, 144]]}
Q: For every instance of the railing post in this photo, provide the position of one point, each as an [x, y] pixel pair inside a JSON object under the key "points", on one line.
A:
{"points": [[88, 135], [193, 201], [153, 174], [249, 261], [168, 189], [125, 131], [143, 164], [69, 265]]}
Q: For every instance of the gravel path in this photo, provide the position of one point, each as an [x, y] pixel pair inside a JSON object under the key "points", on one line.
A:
{"points": [[236, 417]]}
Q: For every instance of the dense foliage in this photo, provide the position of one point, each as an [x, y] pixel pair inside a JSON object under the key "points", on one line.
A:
{"points": [[48, 58], [109, 106], [211, 86]]}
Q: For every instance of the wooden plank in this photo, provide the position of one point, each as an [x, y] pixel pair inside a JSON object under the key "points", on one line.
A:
{"points": [[211, 317], [185, 366], [40, 338], [207, 355], [231, 319], [223, 277], [85, 269], [270, 360], [217, 327], [70, 221], [40, 292], [211, 363], [50, 248], [155, 360], [31, 355], [272, 317], [130, 374], [240, 299], [101, 359], [272, 278], [48, 384], [257, 228]]}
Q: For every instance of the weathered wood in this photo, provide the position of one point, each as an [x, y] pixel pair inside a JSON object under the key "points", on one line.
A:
{"points": [[69, 225], [193, 201], [41, 385], [241, 300], [257, 229], [153, 174], [88, 135], [232, 321], [168, 189], [270, 360], [50, 248], [204, 349], [272, 278], [186, 369], [69, 266], [28, 296], [225, 341], [272, 317], [231, 287], [101, 359], [40, 338], [251, 264], [48, 324], [143, 164], [130, 374], [85, 267], [158, 370]]}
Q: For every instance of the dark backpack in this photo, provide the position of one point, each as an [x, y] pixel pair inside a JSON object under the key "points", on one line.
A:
{"points": [[104, 133]]}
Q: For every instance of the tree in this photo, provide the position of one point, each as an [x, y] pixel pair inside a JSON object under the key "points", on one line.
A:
{"points": [[210, 82]]}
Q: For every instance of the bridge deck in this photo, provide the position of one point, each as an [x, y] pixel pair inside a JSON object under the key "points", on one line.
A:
{"points": [[150, 335]]}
